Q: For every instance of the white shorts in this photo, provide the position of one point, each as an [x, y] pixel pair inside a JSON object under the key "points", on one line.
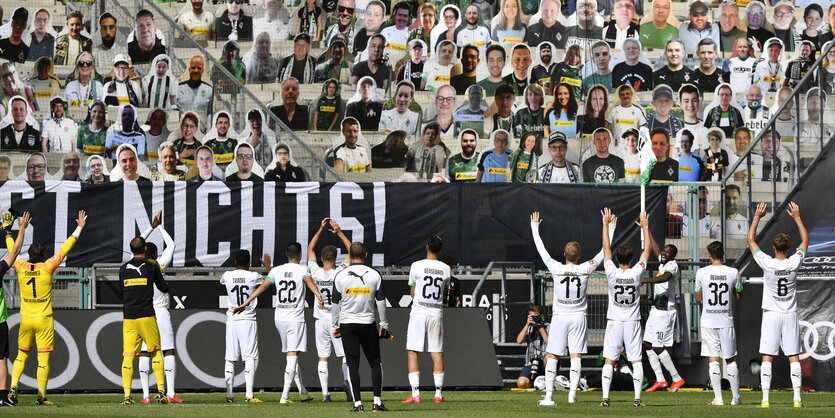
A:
{"points": [[620, 334], [718, 342], [293, 336], [325, 340], [425, 333], [241, 340], [567, 331], [659, 328], [780, 331], [166, 331]]}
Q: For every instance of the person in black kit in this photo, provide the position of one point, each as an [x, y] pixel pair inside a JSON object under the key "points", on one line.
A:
{"points": [[666, 168], [284, 170], [632, 71], [293, 115], [453, 295], [137, 279], [469, 62], [145, 44], [674, 74], [30, 138], [234, 24], [390, 153], [14, 48], [356, 289]]}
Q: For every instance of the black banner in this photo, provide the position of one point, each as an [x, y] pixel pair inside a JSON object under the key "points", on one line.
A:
{"points": [[88, 352], [210, 221]]}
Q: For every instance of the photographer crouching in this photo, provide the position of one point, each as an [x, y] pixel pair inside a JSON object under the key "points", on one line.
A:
{"points": [[535, 335]]}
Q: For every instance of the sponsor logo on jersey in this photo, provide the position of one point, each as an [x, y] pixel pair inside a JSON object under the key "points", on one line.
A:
{"points": [[140, 281], [357, 290]]}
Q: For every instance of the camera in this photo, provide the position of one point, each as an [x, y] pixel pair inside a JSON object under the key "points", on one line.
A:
{"points": [[537, 318], [534, 367]]}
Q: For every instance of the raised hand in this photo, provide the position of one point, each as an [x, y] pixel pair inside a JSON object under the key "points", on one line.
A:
{"points": [[607, 216], [24, 220], [761, 208], [266, 261], [82, 219], [157, 220], [334, 226], [535, 219], [794, 210], [324, 224], [643, 221]]}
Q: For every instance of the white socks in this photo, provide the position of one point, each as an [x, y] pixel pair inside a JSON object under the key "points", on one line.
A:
{"points": [[550, 376], [607, 379], [574, 375], [289, 374], [229, 375], [733, 378], [299, 382], [439, 383], [323, 376], [655, 364], [765, 379], [170, 365], [249, 376], [638, 378], [414, 382], [377, 400], [144, 374], [668, 364], [797, 377], [715, 373]]}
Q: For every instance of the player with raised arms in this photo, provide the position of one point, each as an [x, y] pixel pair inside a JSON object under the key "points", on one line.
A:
{"points": [[5, 264], [780, 327], [568, 333], [323, 277], [357, 288], [714, 285], [241, 329], [137, 279], [290, 280], [166, 331], [623, 319], [36, 323], [661, 323], [426, 319]]}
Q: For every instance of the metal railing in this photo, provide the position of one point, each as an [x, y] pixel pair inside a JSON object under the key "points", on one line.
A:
{"points": [[803, 86], [500, 307]]}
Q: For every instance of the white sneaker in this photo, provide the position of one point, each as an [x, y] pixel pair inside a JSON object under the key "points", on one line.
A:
{"points": [[736, 401], [547, 402], [717, 402], [584, 385], [572, 397]]}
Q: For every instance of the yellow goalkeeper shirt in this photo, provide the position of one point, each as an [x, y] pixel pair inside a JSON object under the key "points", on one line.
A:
{"points": [[36, 280]]}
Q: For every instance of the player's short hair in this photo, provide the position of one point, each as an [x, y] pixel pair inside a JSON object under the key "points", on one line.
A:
{"points": [[781, 242], [357, 251], [329, 253], [716, 250], [151, 251], [294, 251], [535, 308], [435, 244], [624, 254], [37, 253], [572, 251], [672, 249], [242, 259], [137, 245]]}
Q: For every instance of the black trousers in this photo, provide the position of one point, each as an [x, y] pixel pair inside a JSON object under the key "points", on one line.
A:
{"points": [[366, 336]]}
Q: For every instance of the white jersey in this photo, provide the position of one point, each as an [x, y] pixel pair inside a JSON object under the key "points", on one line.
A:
{"points": [[239, 285], [624, 290], [667, 289], [355, 160], [356, 289], [740, 73], [755, 119], [430, 279], [61, 136], [436, 75], [289, 291], [570, 282], [395, 42], [623, 118], [480, 36], [324, 282], [779, 280], [717, 284]]}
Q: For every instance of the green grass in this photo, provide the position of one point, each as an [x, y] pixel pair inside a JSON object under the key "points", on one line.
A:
{"points": [[481, 404]]}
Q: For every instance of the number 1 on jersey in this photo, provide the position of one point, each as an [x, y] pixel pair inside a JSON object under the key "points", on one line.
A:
{"points": [[34, 290]]}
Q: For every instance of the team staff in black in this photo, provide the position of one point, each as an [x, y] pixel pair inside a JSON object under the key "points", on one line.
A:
{"points": [[137, 279], [356, 289]]}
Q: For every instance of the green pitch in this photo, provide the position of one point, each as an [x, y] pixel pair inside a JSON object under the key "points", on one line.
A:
{"points": [[477, 404]]}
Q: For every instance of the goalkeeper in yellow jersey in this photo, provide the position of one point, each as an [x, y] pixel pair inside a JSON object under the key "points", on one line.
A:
{"points": [[5, 265], [36, 328]]}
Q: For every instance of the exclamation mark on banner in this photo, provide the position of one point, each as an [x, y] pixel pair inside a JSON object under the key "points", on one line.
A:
{"points": [[379, 220]]}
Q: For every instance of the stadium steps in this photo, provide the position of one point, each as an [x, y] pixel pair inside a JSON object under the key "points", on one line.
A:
{"points": [[511, 360]]}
